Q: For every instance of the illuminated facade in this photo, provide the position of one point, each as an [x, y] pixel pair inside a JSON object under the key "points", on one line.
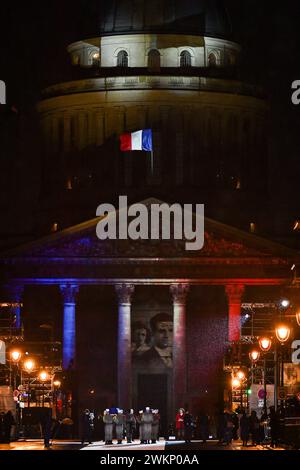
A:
{"points": [[176, 73], [147, 323]]}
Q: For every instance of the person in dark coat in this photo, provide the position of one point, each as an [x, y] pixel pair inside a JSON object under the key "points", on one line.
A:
{"points": [[46, 423], [130, 423], [2, 415], [188, 427], [228, 430], [235, 420], [87, 426], [203, 423], [244, 429], [254, 428], [275, 426], [108, 420], [221, 427], [262, 424], [155, 426], [120, 425], [8, 422]]}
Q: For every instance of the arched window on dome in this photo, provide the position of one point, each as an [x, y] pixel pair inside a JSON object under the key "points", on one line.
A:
{"points": [[122, 59], [212, 60], [185, 59], [154, 60]]}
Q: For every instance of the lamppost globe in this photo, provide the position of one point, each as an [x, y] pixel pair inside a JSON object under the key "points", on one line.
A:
{"points": [[265, 344], [43, 376], [29, 365], [241, 375], [282, 333], [285, 303], [254, 355], [57, 383], [15, 355], [236, 383]]}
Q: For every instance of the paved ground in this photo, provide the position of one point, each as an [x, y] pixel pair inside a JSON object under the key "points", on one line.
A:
{"points": [[37, 444]]}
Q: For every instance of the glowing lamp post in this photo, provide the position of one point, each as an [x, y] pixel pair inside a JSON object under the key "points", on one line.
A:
{"points": [[56, 385], [284, 303], [15, 356], [282, 333], [43, 376], [29, 366], [254, 356], [236, 383], [265, 344]]}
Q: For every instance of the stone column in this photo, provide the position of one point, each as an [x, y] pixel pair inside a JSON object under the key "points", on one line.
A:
{"points": [[69, 293], [179, 294], [124, 292], [234, 294], [14, 297]]}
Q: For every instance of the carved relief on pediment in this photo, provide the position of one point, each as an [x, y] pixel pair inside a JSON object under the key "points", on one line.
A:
{"points": [[88, 245]]}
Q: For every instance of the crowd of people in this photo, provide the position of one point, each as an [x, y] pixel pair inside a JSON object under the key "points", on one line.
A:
{"points": [[249, 428], [145, 425], [123, 425]]}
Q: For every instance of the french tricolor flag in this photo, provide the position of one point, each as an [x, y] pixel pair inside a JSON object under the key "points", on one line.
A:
{"points": [[140, 140]]}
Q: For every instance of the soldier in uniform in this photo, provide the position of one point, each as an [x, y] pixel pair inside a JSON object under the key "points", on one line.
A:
{"points": [[108, 421], [130, 422], [120, 422], [155, 426], [146, 425]]}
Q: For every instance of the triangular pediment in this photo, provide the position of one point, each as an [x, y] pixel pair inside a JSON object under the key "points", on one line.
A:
{"points": [[81, 241]]}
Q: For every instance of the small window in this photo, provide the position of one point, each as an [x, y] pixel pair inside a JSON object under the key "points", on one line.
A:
{"points": [[212, 60], [54, 227], [185, 59], [122, 59], [253, 227], [154, 60]]}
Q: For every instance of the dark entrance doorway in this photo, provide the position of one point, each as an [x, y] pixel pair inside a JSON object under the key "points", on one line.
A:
{"points": [[152, 390]]}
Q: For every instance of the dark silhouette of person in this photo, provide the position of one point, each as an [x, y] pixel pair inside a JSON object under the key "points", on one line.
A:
{"points": [[203, 423], [275, 426], [46, 423], [188, 427], [87, 426], [8, 421], [245, 428]]}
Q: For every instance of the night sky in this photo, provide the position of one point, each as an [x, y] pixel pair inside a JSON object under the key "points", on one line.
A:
{"points": [[34, 36]]}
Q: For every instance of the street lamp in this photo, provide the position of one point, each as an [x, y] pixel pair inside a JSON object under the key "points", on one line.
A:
{"points": [[282, 333], [29, 366], [56, 384], [265, 344], [284, 303], [44, 376], [15, 356], [254, 355]]}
